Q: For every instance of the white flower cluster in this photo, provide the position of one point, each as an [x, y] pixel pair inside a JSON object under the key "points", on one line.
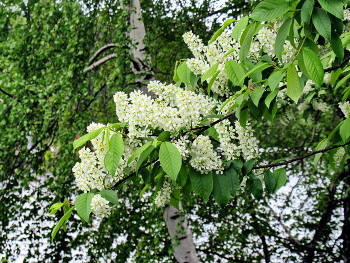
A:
{"points": [[227, 136], [320, 105], [100, 206], [204, 158], [338, 156], [345, 108], [248, 144], [163, 195], [182, 144]]}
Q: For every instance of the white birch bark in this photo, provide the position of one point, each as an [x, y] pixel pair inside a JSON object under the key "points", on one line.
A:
{"points": [[185, 252]]}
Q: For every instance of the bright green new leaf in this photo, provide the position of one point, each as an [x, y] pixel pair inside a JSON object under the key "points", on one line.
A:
{"points": [[202, 183], [234, 72], [270, 97], [306, 11], [257, 68], [62, 221], [221, 29], [270, 181], [256, 95], [313, 66], [144, 189], [221, 189], [55, 207], [210, 72], [170, 159], [83, 205], [143, 157], [322, 145], [275, 78], [211, 82], [270, 9], [245, 41], [110, 196], [344, 130], [281, 178], [185, 74], [294, 89], [233, 177], [335, 7], [87, 137], [239, 27], [321, 22], [139, 151], [113, 155], [281, 38]]}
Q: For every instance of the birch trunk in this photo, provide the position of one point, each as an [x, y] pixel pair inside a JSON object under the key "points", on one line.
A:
{"points": [[180, 231]]}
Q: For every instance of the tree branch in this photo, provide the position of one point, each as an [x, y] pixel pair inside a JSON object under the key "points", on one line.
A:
{"points": [[8, 94], [99, 52], [300, 158], [100, 62], [338, 66]]}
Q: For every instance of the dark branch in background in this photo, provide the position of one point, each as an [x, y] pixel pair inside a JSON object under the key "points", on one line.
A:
{"points": [[100, 62], [99, 52], [8, 94], [300, 158], [338, 66]]}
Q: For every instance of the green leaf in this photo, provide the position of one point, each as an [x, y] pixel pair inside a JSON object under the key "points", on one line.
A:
{"points": [[144, 189], [110, 196], [248, 166], [211, 82], [335, 7], [202, 183], [270, 97], [342, 81], [183, 175], [239, 27], [170, 159], [213, 133], [175, 198], [294, 89], [113, 155], [143, 157], [306, 11], [257, 68], [138, 152], [281, 38], [321, 22], [221, 29], [210, 72], [322, 145], [337, 46], [62, 221], [221, 190], [255, 186], [256, 95], [164, 136], [83, 205], [275, 78], [344, 130], [233, 177], [246, 41], [87, 137], [185, 74], [270, 9], [234, 72], [243, 117], [281, 178], [313, 66], [55, 207], [270, 181]]}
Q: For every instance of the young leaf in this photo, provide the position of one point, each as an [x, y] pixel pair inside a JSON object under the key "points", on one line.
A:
{"points": [[144, 189], [113, 155], [211, 82], [87, 137], [275, 78], [281, 178], [239, 27], [185, 74], [270, 181], [255, 69], [322, 145], [344, 130], [233, 177], [139, 151], [269, 9], [270, 97], [210, 72], [62, 221], [256, 95], [321, 22], [281, 38], [306, 11], [294, 89], [83, 205], [246, 41], [110, 196], [55, 207], [234, 72], [202, 183], [335, 7], [221, 190], [143, 156], [313, 66], [221, 29], [170, 159]]}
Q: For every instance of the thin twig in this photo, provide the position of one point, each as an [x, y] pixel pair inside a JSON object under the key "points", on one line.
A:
{"points": [[99, 52], [338, 66], [100, 62]]}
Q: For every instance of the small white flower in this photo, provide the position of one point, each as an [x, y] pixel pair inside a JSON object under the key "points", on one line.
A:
{"points": [[100, 206]]}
